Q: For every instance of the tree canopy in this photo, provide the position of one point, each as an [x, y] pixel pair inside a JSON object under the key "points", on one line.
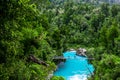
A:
{"points": [[48, 28]]}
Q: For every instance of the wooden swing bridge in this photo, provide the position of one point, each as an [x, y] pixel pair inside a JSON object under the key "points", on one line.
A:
{"points": [[69, 57]]}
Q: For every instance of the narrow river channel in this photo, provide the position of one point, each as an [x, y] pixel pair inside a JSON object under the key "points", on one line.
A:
{"points": [[75, 67]]}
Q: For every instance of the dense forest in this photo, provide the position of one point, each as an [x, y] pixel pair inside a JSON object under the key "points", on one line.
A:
{"points": [[45, 29]]}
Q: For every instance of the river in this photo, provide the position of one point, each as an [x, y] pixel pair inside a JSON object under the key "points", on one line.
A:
{"points": [[75, 67]]}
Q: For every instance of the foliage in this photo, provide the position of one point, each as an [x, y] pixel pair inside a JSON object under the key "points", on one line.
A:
{"points": [[91, 26], [46, 29], [57, 78], [23, 32]]}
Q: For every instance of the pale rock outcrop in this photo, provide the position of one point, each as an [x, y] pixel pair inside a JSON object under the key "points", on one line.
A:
{"points": [[81, 52]]}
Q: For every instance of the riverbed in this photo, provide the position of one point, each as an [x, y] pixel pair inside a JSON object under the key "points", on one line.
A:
{"points": [[75, 68]]}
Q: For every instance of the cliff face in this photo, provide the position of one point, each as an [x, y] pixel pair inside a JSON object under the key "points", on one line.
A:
{"points": [[91, 1], [113, 1], [107, 1]]}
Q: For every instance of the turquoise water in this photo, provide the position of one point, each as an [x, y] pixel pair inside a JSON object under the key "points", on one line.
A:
{"points": [[75, 67]]}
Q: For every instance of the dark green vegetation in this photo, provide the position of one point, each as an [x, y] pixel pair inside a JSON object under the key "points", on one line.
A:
{"points": [[46, 29]]}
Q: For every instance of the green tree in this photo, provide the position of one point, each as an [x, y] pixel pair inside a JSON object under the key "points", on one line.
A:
{"points": [[103, 36], [114, 10], [112, 34], [105, 9]]}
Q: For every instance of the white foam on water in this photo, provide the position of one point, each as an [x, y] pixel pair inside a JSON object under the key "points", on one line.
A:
{"points": [[78, 77]]}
